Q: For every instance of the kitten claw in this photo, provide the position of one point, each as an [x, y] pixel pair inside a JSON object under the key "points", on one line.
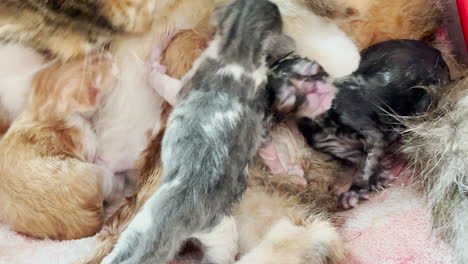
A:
{"points": [[351, 198], [381, 181]]}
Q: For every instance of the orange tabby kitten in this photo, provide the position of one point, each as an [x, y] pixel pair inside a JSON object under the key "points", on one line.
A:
{"points": [[48, 186]]}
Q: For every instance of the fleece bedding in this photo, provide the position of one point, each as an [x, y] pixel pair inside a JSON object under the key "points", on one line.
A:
{"points": [[391, 228]]}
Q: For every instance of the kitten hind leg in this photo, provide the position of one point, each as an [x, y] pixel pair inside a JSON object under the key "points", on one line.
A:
{"points": [[373, 172], [166, 86]]}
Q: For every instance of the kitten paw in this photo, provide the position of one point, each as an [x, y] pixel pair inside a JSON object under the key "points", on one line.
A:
{"points": [[156, 75], [134, 16], [381, 181], [164, 85], [351, 198]]}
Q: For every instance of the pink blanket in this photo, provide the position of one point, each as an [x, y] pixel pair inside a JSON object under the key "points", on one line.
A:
{"points": [[392, 228]]}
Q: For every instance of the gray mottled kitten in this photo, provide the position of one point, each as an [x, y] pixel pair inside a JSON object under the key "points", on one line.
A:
{"points": [[211, 137]]}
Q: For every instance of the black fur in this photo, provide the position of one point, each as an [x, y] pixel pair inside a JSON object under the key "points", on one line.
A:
{"points": [[394, 78]]}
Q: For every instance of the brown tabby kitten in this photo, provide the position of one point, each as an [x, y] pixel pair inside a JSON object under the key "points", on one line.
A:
{"points": [[68, 28]]}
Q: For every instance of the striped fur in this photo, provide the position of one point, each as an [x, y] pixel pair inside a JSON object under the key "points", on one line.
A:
{"points": [[73, 27], [437, 146]]}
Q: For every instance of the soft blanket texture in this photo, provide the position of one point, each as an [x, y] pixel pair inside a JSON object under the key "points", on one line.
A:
{"points": [[391, 228]]}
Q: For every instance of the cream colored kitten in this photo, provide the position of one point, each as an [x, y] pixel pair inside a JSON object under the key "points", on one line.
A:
{"points": [[49, 186]]}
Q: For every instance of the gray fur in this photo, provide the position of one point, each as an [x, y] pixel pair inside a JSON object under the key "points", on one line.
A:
{"points": [[437, 146], [211, 138]]}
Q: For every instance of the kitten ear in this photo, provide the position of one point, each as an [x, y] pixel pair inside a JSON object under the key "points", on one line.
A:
{"points": [[278, 47]]}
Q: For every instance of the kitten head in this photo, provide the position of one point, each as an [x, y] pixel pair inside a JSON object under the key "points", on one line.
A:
{"points": [[296, 85], [251, 29], [74, 86]]}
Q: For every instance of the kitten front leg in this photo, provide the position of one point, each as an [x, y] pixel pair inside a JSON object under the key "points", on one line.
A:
{"points": [[133, 16], [372, 175], [373, 172], [167, 87], [361, 189]]}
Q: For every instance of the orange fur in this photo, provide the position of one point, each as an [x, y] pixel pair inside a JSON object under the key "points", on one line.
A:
{"points": [[192, 42], [72, 28], [396, 19], [48, 187], [323, 174]]}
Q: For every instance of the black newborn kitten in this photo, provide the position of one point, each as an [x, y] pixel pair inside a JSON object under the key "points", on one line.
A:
{"points": [[393, 79]]}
